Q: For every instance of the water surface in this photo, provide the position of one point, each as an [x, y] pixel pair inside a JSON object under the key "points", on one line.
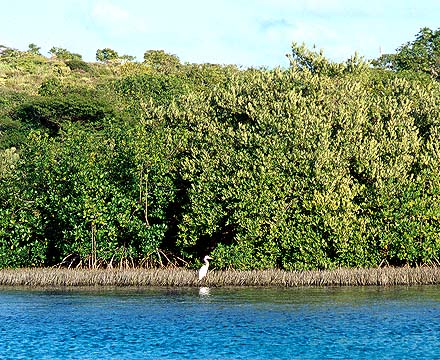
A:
{"points": [[219, 323]]}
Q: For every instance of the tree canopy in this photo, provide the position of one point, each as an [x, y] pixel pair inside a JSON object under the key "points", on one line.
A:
{"points": [[420, 55]]}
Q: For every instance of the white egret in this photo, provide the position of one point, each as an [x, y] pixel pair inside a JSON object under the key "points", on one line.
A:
{"points": [[204, 269]]}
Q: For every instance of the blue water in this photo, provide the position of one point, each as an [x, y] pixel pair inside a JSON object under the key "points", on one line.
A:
{"points": [[307, 323]]}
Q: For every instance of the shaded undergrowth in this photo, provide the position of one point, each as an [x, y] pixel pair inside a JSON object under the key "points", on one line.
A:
{"points": [[388, 276]]}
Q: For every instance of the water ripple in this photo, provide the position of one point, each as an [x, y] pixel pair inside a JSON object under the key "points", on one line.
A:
{"points": [[309, 323]]}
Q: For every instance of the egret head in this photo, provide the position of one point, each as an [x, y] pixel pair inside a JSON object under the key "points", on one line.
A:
{"points": [[207, 257]]}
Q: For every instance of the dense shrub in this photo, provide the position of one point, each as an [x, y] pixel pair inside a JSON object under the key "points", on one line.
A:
{"points": [[301, 170], [85, 194], [51, 111], [79, 65]]}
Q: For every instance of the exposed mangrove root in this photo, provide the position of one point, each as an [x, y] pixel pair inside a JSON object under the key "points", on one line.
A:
{"points": [[388, 276]]}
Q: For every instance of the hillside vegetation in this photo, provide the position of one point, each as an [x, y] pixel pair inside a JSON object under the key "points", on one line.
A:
{"points": [[317, 166]]}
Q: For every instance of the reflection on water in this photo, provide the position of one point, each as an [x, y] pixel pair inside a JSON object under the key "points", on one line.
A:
{"points": [[204, 291], [221, 323]]}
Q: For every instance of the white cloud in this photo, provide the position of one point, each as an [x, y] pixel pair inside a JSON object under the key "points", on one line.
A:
{"points": [[311, 33], [320, 7], [110, 13], [116, 19]]}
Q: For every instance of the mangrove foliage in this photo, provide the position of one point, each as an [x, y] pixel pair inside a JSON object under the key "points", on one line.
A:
{"points": [[316, 166]]}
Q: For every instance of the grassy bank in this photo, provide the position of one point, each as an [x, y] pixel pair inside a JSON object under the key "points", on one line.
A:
{"points": [[182, 277]]}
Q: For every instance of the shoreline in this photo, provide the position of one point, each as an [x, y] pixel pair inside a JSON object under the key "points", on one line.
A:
{"points": [[179, 277]]}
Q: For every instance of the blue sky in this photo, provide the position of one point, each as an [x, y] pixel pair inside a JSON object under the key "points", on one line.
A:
{"points": [[242, 32]]}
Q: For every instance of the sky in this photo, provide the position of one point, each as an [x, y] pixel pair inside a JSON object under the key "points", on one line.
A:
{"points": [[257, 33]]}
